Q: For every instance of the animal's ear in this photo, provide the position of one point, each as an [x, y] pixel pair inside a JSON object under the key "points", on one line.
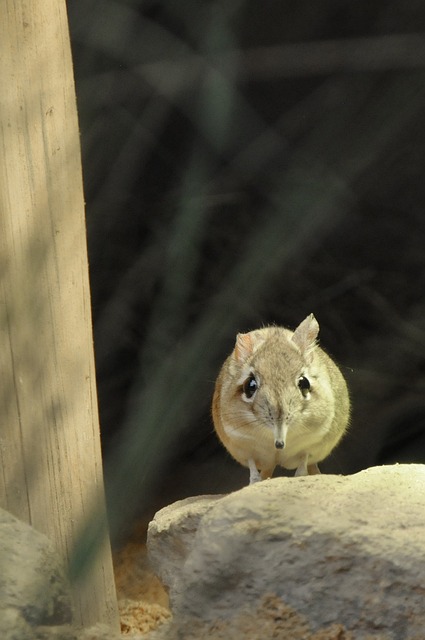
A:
{"points": [[305, 335], [246, 345]]}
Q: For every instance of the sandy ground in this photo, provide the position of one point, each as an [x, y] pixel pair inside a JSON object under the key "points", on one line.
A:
{"points": [[142, 600]]}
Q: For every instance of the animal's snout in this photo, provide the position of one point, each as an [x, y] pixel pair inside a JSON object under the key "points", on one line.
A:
{"points": [[280, 431]]}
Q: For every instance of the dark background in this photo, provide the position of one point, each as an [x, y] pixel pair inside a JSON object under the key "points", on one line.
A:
{"points": [[249, 163]]}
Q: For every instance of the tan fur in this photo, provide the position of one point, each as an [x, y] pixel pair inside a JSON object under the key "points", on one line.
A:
{"points": [[309, 427]]}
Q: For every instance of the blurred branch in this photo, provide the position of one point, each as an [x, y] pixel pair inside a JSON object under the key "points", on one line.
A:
{"points": [[380, 53]]}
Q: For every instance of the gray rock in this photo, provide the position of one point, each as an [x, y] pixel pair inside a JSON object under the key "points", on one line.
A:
{"points": [[337, 549], [33, 589]]}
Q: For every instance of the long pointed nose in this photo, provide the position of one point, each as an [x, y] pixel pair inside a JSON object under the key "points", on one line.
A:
{"points": [[280, 431]]}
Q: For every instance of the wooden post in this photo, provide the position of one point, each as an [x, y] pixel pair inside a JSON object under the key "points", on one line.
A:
{"points": [[50, 459]]}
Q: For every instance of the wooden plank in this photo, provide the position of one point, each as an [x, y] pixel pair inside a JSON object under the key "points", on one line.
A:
{"points": [[51, 469]]}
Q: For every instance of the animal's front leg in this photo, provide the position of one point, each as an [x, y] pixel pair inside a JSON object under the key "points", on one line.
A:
{"points": [[254, 474], [306, 469], [302, 469]]}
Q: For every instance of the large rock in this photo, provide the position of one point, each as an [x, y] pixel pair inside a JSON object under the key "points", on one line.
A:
{"points": [[33, 588], [335, 549]]}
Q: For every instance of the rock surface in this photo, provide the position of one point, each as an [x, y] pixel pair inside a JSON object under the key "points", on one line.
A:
{"points": [[35, 601], [33, 588], [171, 535], [347, 550]]}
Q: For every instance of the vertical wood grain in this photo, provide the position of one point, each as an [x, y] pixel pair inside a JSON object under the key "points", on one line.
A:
{"points": [[50, 459]]}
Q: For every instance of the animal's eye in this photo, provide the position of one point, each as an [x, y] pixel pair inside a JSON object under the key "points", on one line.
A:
{"points": [[249, 387], [304, 386]]}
